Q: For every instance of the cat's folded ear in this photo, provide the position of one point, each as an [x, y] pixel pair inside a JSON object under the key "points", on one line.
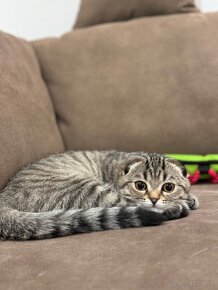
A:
{"points": [[178, 164], [129, 165]]}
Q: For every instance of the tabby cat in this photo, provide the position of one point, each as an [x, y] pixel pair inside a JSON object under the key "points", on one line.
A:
{"points": [[85, 191]]}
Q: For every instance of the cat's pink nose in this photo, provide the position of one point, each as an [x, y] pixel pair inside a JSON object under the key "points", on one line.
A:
{"points": [[154, 200]]}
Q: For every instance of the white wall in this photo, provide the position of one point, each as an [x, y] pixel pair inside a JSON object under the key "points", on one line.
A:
{"points": [[32, 19], [209, 5]]}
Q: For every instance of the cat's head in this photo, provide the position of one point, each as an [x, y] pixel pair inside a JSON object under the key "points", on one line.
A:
{"points": [[153, 179]]}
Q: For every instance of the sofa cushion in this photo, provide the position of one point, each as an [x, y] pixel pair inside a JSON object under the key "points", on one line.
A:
{"points": [[94, 12], [148, 84], [175, 255], [28, 128]]}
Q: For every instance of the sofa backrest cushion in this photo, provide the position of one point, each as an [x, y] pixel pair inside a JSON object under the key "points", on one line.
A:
{"points": [[93, 12], [28, 129], [148, 84]]}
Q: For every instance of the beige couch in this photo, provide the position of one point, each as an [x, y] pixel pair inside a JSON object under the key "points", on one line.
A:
{"points": [[145, 84]]}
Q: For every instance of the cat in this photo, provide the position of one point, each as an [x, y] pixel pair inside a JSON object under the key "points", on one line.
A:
{"points": [[85, 191]]}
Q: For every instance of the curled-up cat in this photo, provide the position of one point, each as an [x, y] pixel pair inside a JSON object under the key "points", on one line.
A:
{"points": [[86, 191]]}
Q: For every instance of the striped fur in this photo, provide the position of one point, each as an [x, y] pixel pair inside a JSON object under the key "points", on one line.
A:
{"points": [[86, 191]]}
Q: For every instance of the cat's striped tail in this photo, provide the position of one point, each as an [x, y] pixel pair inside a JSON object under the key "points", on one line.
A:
{"points": [[27, 225]]}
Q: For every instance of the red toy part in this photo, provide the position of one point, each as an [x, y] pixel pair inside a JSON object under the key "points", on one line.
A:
{"points": [[195, 177], [214, 176]]}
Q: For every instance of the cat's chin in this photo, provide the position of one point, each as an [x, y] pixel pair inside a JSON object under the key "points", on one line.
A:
{"points": [[158, 205]]}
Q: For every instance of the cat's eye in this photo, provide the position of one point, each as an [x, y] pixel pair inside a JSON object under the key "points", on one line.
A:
{"points": [[140, 185], [168, 187]]}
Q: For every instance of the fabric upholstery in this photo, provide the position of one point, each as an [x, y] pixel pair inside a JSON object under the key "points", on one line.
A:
{"points": [[148, 84], [28, 129], [175, 255], [94, 12]]}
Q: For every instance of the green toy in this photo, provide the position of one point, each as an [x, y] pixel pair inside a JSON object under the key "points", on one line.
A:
{"points": [[199, 167]]}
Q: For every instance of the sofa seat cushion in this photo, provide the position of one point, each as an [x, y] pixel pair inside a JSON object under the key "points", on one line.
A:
{"points": [[148, 84], [93, 12], [28, 129], [176, 255]]}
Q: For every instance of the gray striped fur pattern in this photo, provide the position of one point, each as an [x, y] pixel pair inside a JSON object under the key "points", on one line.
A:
{"points": [[88, 191]]}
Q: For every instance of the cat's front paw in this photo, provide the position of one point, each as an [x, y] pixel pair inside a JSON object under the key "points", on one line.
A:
{"points": [[176, 210], [194, 202]]}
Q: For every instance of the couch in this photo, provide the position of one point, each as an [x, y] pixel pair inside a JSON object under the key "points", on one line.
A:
{"points": [[148, 83]]}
